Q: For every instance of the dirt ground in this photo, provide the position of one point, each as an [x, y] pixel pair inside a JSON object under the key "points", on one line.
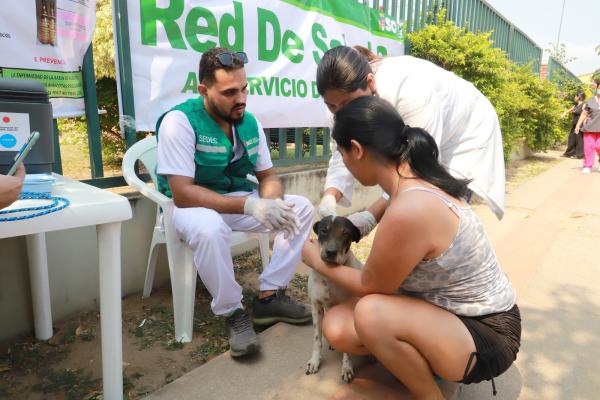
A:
{"points": [[68, 366]]}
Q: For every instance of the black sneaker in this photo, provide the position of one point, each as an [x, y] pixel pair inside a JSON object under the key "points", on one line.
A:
{"points": [[280, 308], [242, 338]]}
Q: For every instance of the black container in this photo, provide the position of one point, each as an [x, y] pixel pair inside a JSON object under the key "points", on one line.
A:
{"points": [[22, 100]]}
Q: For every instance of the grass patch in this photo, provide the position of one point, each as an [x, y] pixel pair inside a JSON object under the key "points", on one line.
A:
{"points": [[300, 282], [290, 152], [249, 296], [68, 334], [27, 356], [6, 391], [213, 331], [210, 348], [76, 384], [156, 325], [129, 381], [247, 262], [522, 170]]}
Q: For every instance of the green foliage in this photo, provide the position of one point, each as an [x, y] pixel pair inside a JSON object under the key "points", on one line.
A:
{"points": [[74, 130], [559, 53], [541, 122], [528, 108], [104, 48], [468, 55], [113, 145]]}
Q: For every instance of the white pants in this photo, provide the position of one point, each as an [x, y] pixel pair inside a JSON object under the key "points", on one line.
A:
{"points": [[207, 234]]}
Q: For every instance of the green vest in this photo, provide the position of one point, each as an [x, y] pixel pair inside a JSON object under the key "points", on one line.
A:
{"points": [[214, 169]]}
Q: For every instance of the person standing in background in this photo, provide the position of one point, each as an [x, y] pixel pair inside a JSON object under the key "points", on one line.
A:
{"points": [[589, 124], [575, 140]]}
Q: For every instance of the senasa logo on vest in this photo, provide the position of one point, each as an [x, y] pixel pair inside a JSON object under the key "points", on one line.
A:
{"points": [[207, 139]]}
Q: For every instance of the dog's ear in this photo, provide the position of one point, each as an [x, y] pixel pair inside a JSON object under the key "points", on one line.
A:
{"points": [[316, 227], [356, 236]]}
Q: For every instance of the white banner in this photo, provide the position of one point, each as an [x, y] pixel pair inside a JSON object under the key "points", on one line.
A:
{"points": [[284, 40], [45, 40]]}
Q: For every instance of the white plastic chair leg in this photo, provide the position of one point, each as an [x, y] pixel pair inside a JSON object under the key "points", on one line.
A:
{"points": [[151, 267], [263, 245], [183, 287]]}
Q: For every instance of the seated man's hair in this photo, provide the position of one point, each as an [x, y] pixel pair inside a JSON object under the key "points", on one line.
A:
{"points": [[209, 63]]}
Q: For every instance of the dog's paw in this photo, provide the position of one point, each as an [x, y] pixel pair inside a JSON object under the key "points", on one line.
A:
{"points": [[313, 366], [347, 369], [347, 373]]}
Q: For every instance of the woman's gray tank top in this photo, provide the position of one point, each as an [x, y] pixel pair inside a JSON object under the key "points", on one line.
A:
{"points": [[466, 279]]}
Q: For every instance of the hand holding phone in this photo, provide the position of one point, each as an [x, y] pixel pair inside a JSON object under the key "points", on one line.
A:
{"points": [[33, 138], [20, 172], [11, 186]]}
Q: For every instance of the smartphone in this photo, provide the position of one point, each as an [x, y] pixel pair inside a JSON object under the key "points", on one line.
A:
{"points": [[35, 135]]}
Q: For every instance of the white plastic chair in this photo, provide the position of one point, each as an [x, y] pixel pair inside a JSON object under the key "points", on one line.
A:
{"points": [[181, 265]]}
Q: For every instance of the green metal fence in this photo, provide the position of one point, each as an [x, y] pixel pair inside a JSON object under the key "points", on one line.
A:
{"points": [[557, 71], [303, 145]]}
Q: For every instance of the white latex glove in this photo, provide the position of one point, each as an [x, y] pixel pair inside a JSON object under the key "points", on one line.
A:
{"points": [[327, 206], [290, 229], [364, 221], [289, 232], [274, 214]]}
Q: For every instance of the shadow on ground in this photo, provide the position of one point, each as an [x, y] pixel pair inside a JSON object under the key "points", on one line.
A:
{"points": [[559, 351], [560, 345]]}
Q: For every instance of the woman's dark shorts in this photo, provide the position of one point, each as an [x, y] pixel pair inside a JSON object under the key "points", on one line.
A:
{"points": [[497, 340]]}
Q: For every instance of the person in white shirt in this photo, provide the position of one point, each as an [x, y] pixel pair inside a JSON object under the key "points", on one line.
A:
{"points": [[461, 119], [210, 150]]}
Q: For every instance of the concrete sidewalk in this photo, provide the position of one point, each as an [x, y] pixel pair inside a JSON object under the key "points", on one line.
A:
{"points": [[546, 243]]}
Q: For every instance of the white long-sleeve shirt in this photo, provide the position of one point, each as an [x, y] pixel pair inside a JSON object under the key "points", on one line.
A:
{"points": [[461, 119]]}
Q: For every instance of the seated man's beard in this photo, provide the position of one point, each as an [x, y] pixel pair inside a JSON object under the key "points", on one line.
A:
{"points": [[225, 116]]}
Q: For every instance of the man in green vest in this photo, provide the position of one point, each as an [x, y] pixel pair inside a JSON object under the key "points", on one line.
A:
{"points": [[210, 150]]}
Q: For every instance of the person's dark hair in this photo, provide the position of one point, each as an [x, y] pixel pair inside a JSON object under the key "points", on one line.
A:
{"points": [[209, 63], [371, 57], [375, 124], [581, 96], [342, 68]]}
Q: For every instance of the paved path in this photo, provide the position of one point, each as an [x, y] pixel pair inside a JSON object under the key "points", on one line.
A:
{"points": [[547, 244]]}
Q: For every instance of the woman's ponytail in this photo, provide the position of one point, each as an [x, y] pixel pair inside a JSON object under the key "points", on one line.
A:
{"points": [[423, 158], [375, 124]]}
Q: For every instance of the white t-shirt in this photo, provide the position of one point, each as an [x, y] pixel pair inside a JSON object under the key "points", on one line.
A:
{"points": [[461, 119], [177, 147]]}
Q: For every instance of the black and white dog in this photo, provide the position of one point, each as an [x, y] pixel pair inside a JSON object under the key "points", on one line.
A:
{"points": [[335, 234]]}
